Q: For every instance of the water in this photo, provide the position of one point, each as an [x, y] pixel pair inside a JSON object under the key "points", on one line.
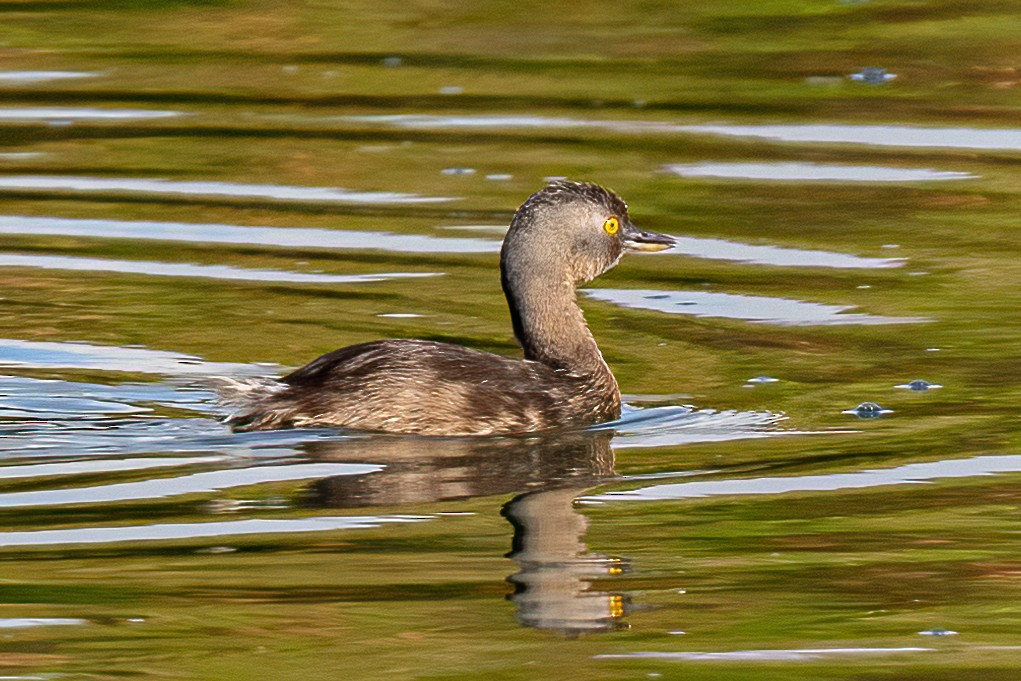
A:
{"points": [[198, 190]]}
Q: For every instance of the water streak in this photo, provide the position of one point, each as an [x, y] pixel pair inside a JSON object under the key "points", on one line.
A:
{"points": [[49, 354], [164, 269], [909, 474], [287, 237], [874, 135], [677, 425], [32, 622], [70, 114], [41, 76], [130, 185], [792, 655], [813, 172], [734, 306], [172, 531], [94, 466], [198, 483]]}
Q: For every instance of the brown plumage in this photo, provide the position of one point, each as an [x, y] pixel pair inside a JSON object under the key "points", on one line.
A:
{"points": [[558, 238]]}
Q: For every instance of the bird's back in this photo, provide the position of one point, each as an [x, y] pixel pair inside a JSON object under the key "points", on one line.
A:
{"points": [[429, 388]]}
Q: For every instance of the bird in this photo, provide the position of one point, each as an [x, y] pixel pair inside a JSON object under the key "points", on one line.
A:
{"points": [[564, 235]]}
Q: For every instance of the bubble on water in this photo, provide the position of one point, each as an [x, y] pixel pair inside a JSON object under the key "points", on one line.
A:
{"points": [[763, 379], [393, 62], [938, 631], [458, 171], [451, 90], [868, 410], [918, 384], [873, 75], [499, 177]]}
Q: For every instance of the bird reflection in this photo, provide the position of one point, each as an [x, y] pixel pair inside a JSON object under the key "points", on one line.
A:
{"points": [[552, 588]]}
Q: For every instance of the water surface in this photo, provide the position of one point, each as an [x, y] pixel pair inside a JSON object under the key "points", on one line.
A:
{"points": [[202, 190]]}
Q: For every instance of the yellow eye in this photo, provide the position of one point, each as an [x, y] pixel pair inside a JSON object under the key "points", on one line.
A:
{"points": [[611, 225]]}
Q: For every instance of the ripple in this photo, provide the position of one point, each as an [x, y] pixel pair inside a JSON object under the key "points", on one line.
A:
{"points": [[735, 306], [49, 354], [875, 135], [62, 406], [719, 249], [18, 387], [20, 155], [63, 438], [58, 113], [428, 121], [41, 76], [918, 385], [163, 269], [868, 410], [791, 655], [909, 474], [128, 185], [92, 467], [170, 531], [287, 237], [675, 425], [879, 135], [161, 488], [813, 172], [31, 622]]}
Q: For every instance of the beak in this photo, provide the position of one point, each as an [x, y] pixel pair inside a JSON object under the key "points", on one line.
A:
{"points": [[637, 240]]}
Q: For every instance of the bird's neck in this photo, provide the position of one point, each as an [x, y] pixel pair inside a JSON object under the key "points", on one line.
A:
{"points": [[551, 328]]}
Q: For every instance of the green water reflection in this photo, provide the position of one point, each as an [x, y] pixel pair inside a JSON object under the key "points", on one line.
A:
{"points": [[890, 544]]}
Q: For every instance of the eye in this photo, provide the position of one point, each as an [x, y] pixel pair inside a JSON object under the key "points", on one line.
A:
{"points": [[611, 225]]}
